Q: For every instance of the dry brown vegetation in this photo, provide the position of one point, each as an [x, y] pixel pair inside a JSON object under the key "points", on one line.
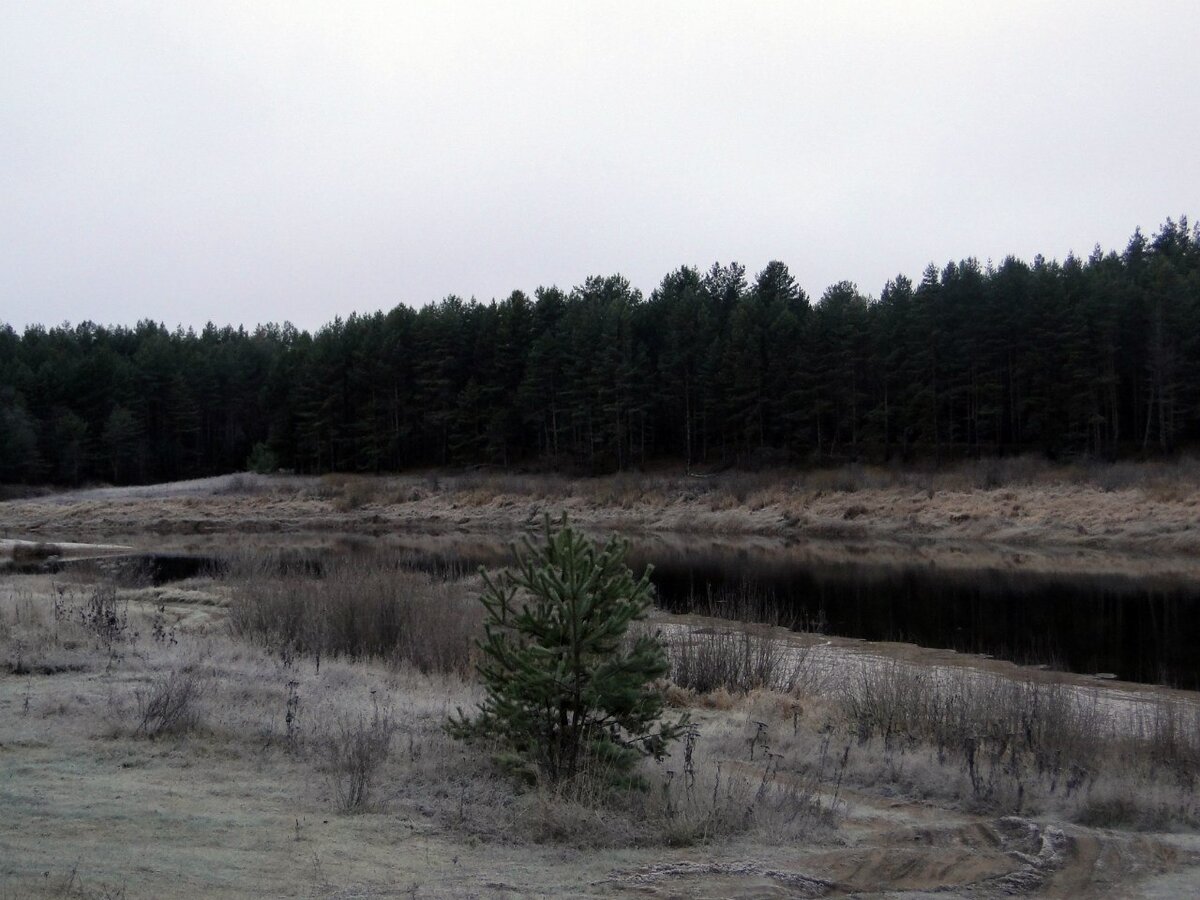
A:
{"points": [[213, 738], [1018, 512], [356, 608]]}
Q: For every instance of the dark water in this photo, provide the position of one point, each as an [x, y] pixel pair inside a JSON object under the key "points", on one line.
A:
{"points": [[140, 568], [1117, 625], [1139, 629]]}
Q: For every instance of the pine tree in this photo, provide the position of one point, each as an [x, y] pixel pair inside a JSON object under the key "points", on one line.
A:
{"points": [[564, 685]]}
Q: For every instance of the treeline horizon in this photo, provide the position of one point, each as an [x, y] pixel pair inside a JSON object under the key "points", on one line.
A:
{"points": [[1095, 357]]}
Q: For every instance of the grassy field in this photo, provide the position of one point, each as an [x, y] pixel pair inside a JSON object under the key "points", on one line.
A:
{"points": [[267, 733]]}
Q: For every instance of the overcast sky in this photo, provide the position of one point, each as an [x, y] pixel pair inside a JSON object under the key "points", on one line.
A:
{"points": [[255, 161]]}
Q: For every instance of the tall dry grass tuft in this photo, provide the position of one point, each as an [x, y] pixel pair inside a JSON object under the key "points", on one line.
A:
{"points": [[1170, 731], [744, 602], [1053, 726], [1021, 742], [737, 660], [357, 607], [169, 704], [355, 751], [713, 787]]}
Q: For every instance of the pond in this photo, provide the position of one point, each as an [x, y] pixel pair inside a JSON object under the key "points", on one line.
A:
{"points": [[1144, 629], [1087, 624]]}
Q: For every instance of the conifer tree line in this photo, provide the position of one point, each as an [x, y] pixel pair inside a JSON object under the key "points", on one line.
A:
{"points": [[1096, 357]]}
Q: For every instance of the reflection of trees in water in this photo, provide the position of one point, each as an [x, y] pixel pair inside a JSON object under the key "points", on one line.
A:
{"points": [[1141, 628]]}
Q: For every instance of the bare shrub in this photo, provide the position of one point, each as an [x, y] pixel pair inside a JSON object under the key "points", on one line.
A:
{"points": [[698, 796], [847, 479], [883, 701], [995, 472], [724, 800], [624, 490], [1052, 726], [170, 703], [45, 638], [355, 751], [1121, 808], [367, 606], [105, 616], [738, 660], [236, 484], [356, 494], [1017, 741], [1170, 731], [329, 486]]}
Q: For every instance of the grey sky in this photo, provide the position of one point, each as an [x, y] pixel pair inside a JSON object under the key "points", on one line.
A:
{"points": [[259, 161]]}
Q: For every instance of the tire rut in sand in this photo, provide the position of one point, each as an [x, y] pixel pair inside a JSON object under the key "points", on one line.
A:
{"points": [[1006, 857]]}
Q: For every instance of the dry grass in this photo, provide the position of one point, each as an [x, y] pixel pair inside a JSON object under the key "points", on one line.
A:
{"points": [[266, 744], [372, 726], [169, 704], [1081, 516], [356, 750], [371, 606], [755, 489], [1019, 745], [713, 788], [966, 738], [737, 660]]}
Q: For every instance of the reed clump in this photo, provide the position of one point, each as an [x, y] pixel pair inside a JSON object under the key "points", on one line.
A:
{"points": [[1022, 744], [369, 606]]}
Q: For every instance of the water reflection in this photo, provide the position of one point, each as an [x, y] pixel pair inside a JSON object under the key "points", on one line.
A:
{"points": [[1137, 628]]}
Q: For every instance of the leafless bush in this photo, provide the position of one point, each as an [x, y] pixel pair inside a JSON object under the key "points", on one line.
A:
{"points": [[105, 616], [356, 494], [1170, 730], [1053, 726], [170, 703], [736, 659], [1121, 807], [887, 701], [355, 751], [1020, 740], [697, 796], [847, 479], [348, 492], [45, 638], [994, 472], [726, 800], [496, 484], [360, 607]]}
